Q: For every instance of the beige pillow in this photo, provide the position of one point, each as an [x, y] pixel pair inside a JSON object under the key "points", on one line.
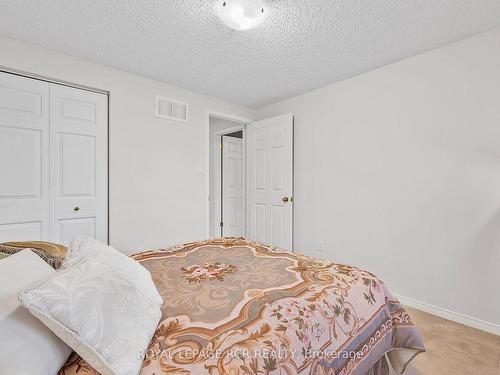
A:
{"points": [[52, 253], [51, 248]]}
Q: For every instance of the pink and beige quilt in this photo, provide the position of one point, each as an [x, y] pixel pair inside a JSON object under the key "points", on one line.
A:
{"points": [[237, 307]]}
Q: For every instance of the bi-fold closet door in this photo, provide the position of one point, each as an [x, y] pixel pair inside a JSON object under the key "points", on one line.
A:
{"points": [[53, 161]]}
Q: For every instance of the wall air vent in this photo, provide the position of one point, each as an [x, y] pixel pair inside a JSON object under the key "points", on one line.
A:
{"points": [[171, 109]]}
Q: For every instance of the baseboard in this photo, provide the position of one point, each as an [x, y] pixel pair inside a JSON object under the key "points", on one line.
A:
{"points": [[451, 315]]}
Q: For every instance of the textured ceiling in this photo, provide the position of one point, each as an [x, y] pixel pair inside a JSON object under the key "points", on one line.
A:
{"points": [[304, 44]]}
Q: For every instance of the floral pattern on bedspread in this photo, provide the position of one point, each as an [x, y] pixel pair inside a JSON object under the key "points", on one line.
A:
{"points": [[239, 307], [209, 271]]}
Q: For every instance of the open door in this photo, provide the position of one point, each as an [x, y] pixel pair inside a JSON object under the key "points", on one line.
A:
{"points": [[270, 181], [233, 186]]}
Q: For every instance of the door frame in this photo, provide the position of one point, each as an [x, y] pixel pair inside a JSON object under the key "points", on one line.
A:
{"points": [[43, 78], [242, 121], [218, 173]]}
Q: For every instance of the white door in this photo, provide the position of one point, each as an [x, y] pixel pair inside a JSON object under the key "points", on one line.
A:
{"points": [[233, 198], [79, 191], [24, 159], [270, 181]]}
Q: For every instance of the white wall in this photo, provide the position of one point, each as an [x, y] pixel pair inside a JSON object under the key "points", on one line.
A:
{"points": [[398, 171], [156, 196]]}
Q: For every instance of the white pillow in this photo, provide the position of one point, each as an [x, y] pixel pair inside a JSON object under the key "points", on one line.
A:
{"points": [[84, 247], [100, 311], [27, 347]]}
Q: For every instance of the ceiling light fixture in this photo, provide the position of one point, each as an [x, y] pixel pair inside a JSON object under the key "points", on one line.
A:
{"points": [[241, 14]]}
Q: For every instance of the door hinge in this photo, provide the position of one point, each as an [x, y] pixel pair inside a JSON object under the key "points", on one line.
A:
{"points": [[221, 146], [221, 224]]}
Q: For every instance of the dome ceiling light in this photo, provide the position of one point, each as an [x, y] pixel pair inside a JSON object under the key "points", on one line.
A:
{"points": [[241, 14]]}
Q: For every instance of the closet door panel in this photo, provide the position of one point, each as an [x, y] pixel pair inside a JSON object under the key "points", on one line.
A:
{"points": [[71, 228], [24, 158], [79, 177]]}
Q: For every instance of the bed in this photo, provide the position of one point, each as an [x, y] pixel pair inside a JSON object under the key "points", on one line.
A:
{"points": [[233, 306]]}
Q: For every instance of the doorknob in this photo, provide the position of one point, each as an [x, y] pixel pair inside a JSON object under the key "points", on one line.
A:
{"points": [[76, 209], [285, 199]]}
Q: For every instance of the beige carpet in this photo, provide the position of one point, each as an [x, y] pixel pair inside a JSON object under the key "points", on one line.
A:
{"points": [[453, 349]]}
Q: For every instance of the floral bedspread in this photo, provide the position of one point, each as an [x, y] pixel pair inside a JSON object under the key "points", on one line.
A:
{"points": [[239, 307]]}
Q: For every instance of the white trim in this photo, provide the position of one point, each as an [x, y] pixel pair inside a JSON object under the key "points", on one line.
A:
{"points": [[230, 117], [451, 315], [61, 82], [215, 200], [225, 116], [230, 130]]}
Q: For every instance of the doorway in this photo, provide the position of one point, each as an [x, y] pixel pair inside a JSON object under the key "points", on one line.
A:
{"points": [[227, 177], [251, 179], [232, 180]]}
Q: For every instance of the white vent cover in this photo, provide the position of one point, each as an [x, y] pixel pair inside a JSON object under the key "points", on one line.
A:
{"points": [[171, 109]]}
